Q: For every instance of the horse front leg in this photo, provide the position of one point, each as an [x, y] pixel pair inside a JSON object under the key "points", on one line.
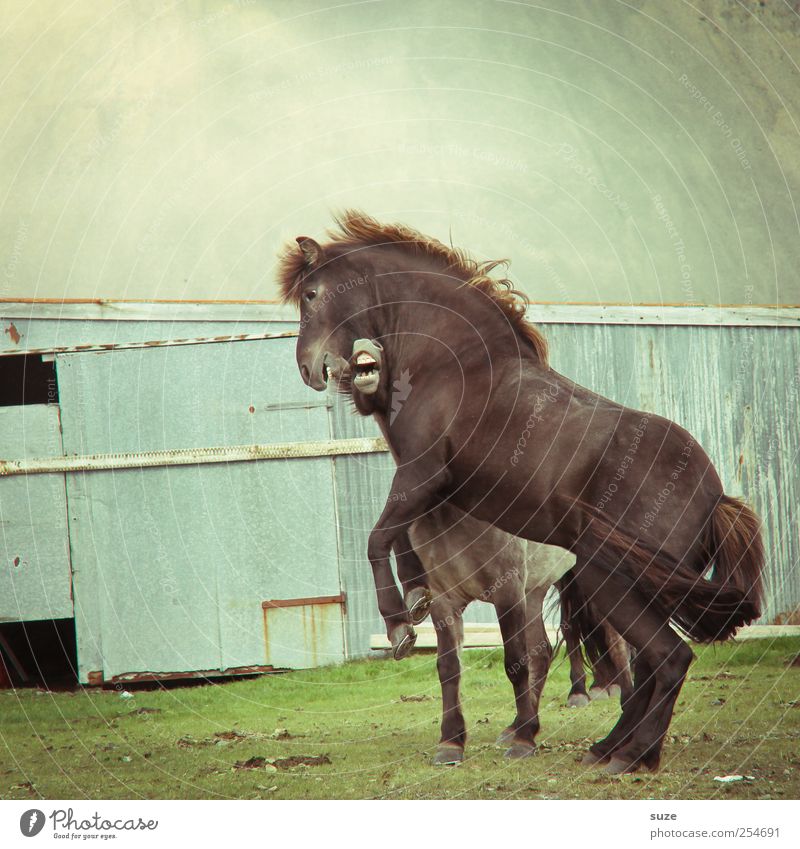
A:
{"points": [[512, 618], [540, 652], [449, 638], [413, 492], [413, 578]]}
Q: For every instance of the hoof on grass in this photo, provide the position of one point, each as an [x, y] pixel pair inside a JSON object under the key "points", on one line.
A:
{"points": [[592, 759], [597, 694], [448, 756], [577, 700], [518, 751], [615, 691], [618, 766], [505, 737]]}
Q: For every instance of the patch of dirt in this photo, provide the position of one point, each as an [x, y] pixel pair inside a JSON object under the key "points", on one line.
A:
{"points": [[283, 734], [230, 735], [419, 698], [283, 764], [718, 676], [27, 786]]}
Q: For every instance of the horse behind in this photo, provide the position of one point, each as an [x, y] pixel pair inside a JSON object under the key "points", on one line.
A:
{"points": [[468, 560]]}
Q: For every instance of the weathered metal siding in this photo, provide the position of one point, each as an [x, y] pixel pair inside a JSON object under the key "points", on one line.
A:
{"points": [[35, 579], [172, 564], [734, 388]]}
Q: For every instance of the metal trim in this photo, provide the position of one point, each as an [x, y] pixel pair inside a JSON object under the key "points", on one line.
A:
{"points": [[303, 602], [143, 677], [100, 348], [768, 315], [192, 456]]}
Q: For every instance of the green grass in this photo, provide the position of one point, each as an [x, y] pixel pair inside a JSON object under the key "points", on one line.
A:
{"points": [[165, 743]]}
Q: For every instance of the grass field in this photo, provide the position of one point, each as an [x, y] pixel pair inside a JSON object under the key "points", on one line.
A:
{"points": [[368, 730]]}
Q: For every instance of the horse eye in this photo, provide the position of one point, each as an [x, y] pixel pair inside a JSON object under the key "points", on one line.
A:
{"points": [[310, 294]]}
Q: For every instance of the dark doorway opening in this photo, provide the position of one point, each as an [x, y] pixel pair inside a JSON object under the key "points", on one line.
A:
{"points": [[27, 379], [39, 654]]}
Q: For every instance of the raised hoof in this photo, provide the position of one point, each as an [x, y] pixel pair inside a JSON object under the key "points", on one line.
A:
{"points": [[448, 756], [597, 694], [418, 601], [615, 691], [577, 700], [618, 766], [505, 737], [591, 759], [403, 638], [521, 750]]}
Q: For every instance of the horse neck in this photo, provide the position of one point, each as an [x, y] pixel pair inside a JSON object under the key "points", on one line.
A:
{"points": [[422, 314]]}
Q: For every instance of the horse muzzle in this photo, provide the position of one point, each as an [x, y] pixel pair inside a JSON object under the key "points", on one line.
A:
{"points": [[365, 365], [331, 367]]}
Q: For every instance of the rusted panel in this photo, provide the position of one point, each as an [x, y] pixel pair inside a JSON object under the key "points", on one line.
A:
{"points": [[304, 635], [302, 602], [144, 677], [13, 333]]}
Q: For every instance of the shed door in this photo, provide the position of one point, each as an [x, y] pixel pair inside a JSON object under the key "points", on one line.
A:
{"points": [[35, 580], [172, 565]]}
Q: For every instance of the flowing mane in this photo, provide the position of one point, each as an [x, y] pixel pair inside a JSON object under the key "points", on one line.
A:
{"points": [[356, 229]]}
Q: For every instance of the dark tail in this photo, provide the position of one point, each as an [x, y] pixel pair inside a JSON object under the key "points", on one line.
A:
{"points": [[706, 608]]}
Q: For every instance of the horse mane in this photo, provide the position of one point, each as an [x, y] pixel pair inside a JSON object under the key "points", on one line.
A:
{"points": [[356, 229]]}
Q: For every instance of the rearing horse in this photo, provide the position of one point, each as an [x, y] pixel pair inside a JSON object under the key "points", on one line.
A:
{"points": [[478, 420]]}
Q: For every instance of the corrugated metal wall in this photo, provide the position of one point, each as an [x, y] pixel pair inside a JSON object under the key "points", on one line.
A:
{"points": [[172, 564], [734, 388]]}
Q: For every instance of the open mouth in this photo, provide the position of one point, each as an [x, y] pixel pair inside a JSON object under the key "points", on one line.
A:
{"points": [[365, 366]]}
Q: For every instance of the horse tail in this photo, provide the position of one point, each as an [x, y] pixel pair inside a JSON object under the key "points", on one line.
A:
{"points": [[582, 619], [736, 549], [706, 608]]}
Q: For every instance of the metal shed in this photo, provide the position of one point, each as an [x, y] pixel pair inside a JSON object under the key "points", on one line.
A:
{"points": [[197, 510]]}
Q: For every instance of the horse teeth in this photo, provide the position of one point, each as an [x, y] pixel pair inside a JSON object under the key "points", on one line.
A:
{"points": [[365, 360]]}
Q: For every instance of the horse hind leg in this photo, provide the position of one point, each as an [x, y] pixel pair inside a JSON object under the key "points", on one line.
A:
{"points": [[512, 617], [449, 627], [540, 652], [578, 697], [662, 660], [612, 669], [619, 654]]}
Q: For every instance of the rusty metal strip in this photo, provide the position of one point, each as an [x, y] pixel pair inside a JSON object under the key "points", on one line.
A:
{"points": [[302, 602], [192, 456], [156, 343], [142, 677], [754, 315]]}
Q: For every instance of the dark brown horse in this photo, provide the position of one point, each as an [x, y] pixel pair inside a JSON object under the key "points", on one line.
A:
{"points": [[478, 419]]}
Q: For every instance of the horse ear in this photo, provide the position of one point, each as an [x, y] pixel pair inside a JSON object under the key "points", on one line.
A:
{"points": [[312, 252]]}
